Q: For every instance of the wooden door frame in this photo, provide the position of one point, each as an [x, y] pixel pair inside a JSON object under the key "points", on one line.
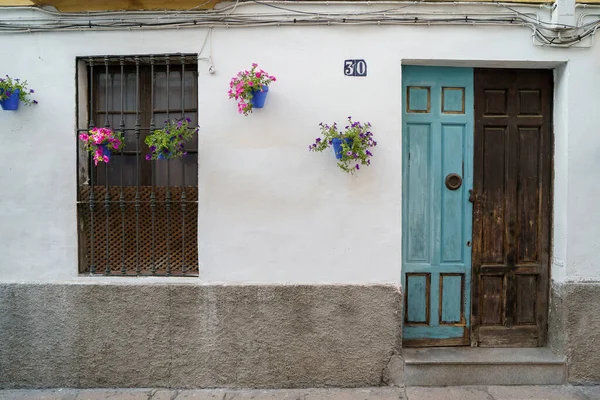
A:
{"points": [[546, 219]]}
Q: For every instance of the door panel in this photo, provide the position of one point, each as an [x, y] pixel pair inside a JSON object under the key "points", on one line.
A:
{"points": [[511, 221], [437, 146]]}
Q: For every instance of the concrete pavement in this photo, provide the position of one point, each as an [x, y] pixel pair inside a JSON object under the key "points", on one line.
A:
{"points": [[378, 393]]}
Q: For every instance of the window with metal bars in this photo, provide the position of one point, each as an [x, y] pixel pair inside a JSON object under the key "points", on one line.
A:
{"points": [[137, 217]]}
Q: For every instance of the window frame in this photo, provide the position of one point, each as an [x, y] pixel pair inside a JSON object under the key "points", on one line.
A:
{"points": [[91, 113]]}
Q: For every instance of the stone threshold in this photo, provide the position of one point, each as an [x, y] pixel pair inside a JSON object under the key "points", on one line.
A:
{"points": [[481, 355], [457, 366]]}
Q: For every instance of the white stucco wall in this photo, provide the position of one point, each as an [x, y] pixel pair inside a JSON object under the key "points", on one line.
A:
{"points": [[269, 210]]}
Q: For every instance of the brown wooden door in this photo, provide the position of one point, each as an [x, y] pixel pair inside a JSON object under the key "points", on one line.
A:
{"points": [[512, 207]]}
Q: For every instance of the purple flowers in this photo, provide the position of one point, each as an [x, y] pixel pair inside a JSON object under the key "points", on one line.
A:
{"points": [[353, 142], [169, 142], [14, 86]]}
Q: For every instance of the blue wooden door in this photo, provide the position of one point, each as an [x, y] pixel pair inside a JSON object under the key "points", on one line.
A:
{"points": [[437, 143]]}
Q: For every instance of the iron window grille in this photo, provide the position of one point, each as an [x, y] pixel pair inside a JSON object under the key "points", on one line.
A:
{"points": [[137, 217]]}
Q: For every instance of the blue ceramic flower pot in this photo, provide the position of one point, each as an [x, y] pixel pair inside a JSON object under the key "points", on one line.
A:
{"points": [[105, 150], [12, 103], [337, 146], [259, 97], [164, 156]]}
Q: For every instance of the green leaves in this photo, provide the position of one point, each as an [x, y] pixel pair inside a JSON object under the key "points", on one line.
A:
{"points": [[168, 143], [243, 85], [8, 86], [358, 139]]}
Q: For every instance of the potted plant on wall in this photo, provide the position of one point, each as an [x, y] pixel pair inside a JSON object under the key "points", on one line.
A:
{"points": [[351, 146], [13, 91], [250, 89], [169, 142], [100, 142]]}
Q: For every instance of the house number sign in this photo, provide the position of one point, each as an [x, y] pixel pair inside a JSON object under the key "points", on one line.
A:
{"points": [[355, 68]]}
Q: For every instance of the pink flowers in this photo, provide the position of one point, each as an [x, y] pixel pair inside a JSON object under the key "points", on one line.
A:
{"points": [[245, 84], [100, 142]]}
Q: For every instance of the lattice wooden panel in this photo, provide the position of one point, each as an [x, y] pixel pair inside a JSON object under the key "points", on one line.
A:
{"points": [[131, 244]]}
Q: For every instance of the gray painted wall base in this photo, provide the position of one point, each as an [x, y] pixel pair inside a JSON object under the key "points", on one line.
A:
{"points": [[191, 336], [574, 329], [272, 336]]}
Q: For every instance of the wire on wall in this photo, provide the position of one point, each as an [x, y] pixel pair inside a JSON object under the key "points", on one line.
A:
{"points": [[233, 15]]}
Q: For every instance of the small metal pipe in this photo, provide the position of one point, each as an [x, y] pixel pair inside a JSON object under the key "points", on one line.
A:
{"points": [[106, 172], [106, 91], [183, 196], [107, 209], [585, 15], [137, 165], [168, 194], [92, 198], [167, 61], [122, 159], [153, 177]]}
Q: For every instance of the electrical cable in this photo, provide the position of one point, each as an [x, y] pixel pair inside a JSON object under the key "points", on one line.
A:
{"points": [[545, 32]]}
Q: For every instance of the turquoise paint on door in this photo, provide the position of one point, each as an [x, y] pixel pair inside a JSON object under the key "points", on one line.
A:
{"points": [[437, 141]]}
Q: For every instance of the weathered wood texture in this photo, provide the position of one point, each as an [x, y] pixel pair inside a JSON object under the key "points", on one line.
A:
{"points": [[437, 144], [512, 211], [167, 238]]}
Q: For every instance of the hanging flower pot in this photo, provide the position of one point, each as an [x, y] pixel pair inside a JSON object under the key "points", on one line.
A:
{"points": [[168, 143], [259, 97], [105, 150], [350, 146], [11, 103], [250, 89], [13, 92], [163, 156], [337, 146], [100, 142]]}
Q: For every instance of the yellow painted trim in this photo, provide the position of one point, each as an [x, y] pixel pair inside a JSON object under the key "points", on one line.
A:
{"points": [[9, 3]]}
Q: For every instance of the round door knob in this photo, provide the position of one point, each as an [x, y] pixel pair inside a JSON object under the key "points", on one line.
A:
{"points": [[453, 181]]}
